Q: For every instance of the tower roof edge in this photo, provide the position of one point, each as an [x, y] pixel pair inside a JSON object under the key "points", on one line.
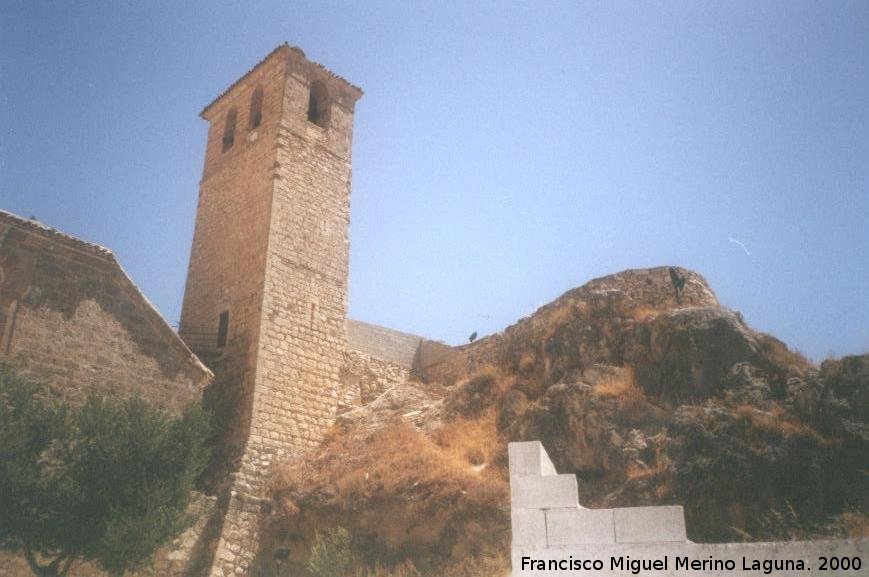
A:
{"points": [[289, 52]]}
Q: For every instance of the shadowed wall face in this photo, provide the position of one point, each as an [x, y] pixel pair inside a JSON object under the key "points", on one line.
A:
{"points": [[227, 260], [71, 318]]}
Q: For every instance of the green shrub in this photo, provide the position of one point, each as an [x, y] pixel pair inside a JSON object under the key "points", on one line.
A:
{"points": [[109, 483], [331, 553]]}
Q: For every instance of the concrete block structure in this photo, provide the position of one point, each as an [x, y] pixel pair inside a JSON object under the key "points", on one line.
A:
{"points": [[649, 525], [544, 506], [578, 526], [529, 460], [545, 492], [529, 527], [562, 538]]}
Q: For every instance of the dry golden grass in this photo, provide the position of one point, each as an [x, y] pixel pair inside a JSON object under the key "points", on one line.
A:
{"points": [[494, 564], [643, 313], [560, 315], [471, 442], [774, 424], [395, 460], [659, 468], [634, 406], [526, 364], [635, 472], [622, 386], [424, 502], [406, 569], [500, 382], [856, 525], [478, 394], [778, 354], [659, 475]]}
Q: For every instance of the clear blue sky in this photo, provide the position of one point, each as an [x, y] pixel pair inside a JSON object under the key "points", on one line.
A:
{"points": [[504, 152]]}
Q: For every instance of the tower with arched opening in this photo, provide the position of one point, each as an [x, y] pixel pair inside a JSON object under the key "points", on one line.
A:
{"points": [[266, 295]]}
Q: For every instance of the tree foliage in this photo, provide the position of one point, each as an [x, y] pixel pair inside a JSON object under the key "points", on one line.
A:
{"points": [[109, 483]]}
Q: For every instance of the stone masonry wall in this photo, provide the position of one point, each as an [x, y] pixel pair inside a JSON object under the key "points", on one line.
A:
{"points": [[74, 320], [376, 359], [227, 265], [301, 339], [382, 343], [549, 524], [228, 255], [365, 377]]}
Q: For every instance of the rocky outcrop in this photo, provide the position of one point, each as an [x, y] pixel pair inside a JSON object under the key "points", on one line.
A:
{"points": [[686, 354], [849, 378], [651, 399], [649, 396], [594, 323]]}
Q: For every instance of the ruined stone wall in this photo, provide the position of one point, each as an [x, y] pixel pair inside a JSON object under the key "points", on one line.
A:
{"points": [[376, 359], [431, 354], [365, 377], [74, 320]]}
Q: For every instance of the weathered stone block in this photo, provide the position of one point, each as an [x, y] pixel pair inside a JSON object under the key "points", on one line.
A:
{"points": [[529, 458], [529, 528], [549, 492], [575, 526], [650, 524]]}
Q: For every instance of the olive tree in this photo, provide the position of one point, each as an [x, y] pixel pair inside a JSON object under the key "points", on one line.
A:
{"points": [[108, 483]]}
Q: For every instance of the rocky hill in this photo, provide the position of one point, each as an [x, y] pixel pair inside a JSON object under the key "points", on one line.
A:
{"points": [[649, 393]]}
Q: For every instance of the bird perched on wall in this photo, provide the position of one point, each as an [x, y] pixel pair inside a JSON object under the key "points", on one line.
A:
{"points": [[473, 337], [678, 283]]}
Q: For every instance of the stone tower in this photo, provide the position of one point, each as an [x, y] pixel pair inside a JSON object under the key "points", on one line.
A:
{"points": [[266, 293]]}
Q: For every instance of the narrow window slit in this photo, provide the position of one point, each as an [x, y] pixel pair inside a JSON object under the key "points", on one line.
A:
{"points": [[256, 108], [229, 130], [222, 329]]}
